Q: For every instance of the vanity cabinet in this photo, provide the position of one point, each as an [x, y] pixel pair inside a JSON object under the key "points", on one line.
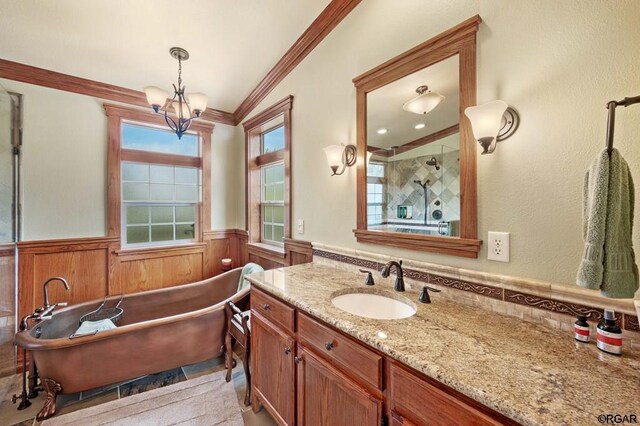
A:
{"points": [[328, 397], [273, 374], [306, 372], [413, 400]]}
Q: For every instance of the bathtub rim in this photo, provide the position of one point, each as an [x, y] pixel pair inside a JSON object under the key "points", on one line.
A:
{"points": [[23, 339]]}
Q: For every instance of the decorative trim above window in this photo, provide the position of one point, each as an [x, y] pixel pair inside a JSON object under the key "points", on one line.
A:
{"points": [[268, 175]]}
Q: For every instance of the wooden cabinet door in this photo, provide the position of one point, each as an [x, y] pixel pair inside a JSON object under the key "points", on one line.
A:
{"points": [[272, 375], [329, 398]]}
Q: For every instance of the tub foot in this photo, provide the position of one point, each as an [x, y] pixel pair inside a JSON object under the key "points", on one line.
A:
{"points": [[52, 388]]}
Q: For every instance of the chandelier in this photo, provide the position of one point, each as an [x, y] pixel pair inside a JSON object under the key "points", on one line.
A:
{"points": [[425, 102], [185, 107]]}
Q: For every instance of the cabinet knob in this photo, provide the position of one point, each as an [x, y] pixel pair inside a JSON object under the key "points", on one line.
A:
{"points": [[328, 345], [266, 307], [297, 359], [287, 351]]}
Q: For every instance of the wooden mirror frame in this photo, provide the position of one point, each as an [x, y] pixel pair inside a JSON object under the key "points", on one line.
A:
{"points": [[459, 40]]}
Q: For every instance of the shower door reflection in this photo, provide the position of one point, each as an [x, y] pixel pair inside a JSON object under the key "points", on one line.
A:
{"points": [[10, 117]]}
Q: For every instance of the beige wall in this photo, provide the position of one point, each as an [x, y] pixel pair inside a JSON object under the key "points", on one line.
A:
{"points": [[556, 62], [65, 162]]}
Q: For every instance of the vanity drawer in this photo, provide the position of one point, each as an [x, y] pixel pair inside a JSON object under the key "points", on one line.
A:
{"points": [[273, 310], [355, 359], [423, 403]]}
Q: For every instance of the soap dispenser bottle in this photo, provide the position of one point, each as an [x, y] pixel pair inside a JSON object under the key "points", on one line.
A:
{"points": [[609, 335]]}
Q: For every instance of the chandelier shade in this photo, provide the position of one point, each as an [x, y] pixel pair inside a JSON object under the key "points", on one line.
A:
{"points": [[425, 102], [185, 107]]}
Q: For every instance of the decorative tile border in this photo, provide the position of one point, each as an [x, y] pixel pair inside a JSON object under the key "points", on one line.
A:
{"points": [[363, 263], [595, 314], [416, 275], [631, 323], [626, 321], [484, 290]]}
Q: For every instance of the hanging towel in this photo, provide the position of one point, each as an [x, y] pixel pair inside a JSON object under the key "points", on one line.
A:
{"points": [[249, 268], [608, 261]]}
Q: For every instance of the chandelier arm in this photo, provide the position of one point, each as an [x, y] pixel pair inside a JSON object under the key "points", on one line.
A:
{"points": [[172, 124]]}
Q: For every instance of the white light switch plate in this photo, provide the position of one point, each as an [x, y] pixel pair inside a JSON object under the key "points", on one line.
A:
{"points": [[498, 247], [300, 226]]}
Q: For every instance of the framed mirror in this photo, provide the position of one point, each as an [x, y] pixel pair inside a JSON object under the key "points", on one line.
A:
{"points": [[416, 184]]}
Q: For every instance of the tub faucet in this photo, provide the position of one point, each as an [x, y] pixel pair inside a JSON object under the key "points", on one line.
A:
{"points": [[47, 305], [399, 285]]}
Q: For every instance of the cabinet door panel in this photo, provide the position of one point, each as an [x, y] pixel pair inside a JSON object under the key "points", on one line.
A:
{"points": [[423, 403], [327, 397], [273, 369]]}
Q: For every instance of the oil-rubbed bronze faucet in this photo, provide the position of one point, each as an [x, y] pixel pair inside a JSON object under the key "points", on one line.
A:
{"points": [[47, 305], [399, 285]]}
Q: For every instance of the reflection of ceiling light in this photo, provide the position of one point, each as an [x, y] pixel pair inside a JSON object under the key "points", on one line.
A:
{"points": [[425, 102], [382, 131], [420, 126]]}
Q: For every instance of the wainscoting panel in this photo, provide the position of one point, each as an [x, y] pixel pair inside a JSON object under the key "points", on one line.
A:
{"points": [[265, 257], [82, 262], [297, 251], [224, 244], [154, 273]]}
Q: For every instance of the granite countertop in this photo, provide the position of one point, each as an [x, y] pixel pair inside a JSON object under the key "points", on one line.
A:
{"points": [[532, 374]]}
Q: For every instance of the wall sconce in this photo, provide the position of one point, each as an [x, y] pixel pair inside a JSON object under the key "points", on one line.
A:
{"points": [[338, 155], [492, 122]]}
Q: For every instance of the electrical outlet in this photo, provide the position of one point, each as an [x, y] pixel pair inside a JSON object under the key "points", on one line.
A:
{"points": [[300, 226], [498, 247]]}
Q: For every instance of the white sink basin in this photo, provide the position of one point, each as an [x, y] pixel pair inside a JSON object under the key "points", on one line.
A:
{"points": [[371, 305]]}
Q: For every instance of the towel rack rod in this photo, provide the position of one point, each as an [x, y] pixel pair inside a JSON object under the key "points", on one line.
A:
{"points": [[611, 106]]}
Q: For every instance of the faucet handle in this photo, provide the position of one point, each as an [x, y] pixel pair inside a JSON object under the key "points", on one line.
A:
{"points": [[424, 296], [369, 278]]}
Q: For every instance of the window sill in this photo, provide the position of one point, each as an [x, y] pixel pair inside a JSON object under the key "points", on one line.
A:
{"points": [[162, 251], [267, 250]]}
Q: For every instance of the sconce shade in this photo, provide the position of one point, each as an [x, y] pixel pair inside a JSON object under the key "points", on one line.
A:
{"points": [[369, 154], [156, 96], [486, 121], [197, 102], [425, 102], [340, 155], [334, 155]]}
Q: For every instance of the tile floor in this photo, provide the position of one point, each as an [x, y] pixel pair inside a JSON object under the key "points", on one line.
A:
{"points": [[10, 416]]}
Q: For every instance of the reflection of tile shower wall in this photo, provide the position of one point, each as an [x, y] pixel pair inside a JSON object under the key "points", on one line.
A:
{"points": [[444, 186]]}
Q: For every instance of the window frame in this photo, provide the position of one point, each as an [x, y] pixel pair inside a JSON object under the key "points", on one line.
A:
{"points": [[116, 155], [377, 180], [254, 130]]}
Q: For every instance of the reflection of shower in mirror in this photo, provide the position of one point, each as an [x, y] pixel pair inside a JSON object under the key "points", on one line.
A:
{"points": [[433, 162]]}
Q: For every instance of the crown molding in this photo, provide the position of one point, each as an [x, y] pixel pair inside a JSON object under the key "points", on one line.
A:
{"points": [[55, 80], [328, 19]]}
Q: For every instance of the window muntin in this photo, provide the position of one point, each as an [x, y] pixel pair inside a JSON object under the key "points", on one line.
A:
{"points": [[159, 203], [272, 204], [151, 139]]}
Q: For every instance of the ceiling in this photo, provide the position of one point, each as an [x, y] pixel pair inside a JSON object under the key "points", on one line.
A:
{"points": [[384, 105], [232, 44]]}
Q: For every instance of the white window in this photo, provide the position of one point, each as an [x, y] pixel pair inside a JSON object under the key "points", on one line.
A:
{"points": [[160, 202], [375, 193], [273, 204]]}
